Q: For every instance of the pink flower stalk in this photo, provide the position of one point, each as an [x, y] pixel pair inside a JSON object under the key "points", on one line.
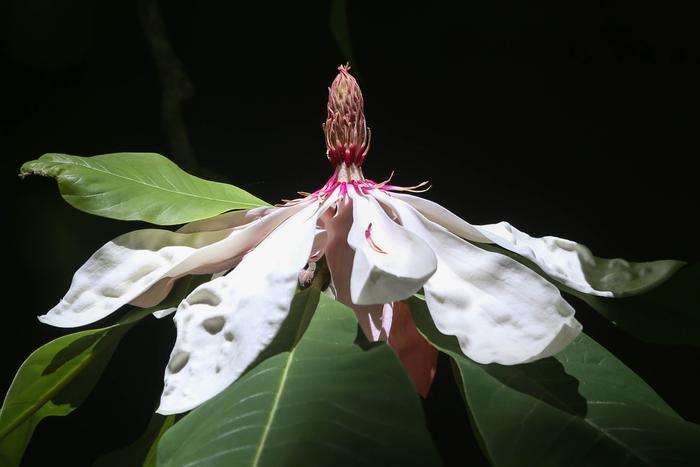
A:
{"points": [[381, 245]]}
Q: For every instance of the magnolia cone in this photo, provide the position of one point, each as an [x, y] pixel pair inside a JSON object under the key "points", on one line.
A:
{"points": [[347, 135]]}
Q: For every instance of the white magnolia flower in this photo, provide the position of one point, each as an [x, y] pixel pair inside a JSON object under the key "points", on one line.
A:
{"points": [[381, 244]]}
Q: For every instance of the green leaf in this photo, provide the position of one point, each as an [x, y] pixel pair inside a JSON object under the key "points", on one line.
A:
{"points": [[143, 450], [667, 314], [582, 407], [151, 459], [56, 378], [325, 402], [138, 186], [301, 311]]}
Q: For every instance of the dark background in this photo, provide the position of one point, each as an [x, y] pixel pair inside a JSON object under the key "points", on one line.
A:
{"points": [[565, 118]]}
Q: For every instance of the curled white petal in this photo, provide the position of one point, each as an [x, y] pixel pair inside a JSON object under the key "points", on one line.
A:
{"points": [[499, 310], [569, 262], [224, 324], [390, 262], [127, 268]]}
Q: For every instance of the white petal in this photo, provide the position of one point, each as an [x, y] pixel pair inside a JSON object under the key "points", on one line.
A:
{"points": [[570, 263], [319, 246], [575, 266], [375, 321], [224, 324], [390, 263], [445, 218], [155, 294], [499, 310], [160, 314], [227, 220], [126, 268], [222, 273]]}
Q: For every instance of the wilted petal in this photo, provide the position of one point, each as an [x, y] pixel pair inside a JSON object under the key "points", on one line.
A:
{"points": [[394, 324], [390, 263], [499, 310], [126, 268], [224, 324], [418, 357], [339, 257], [569, 262]]}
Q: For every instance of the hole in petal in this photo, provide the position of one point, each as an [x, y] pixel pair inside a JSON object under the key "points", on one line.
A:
{"points": [[111, 292], [178, 362], [217, 369], [228, 336], [214, 325], [204, 297]]}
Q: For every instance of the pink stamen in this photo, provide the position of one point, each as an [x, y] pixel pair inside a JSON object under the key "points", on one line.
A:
{"points": [[368, 237]]}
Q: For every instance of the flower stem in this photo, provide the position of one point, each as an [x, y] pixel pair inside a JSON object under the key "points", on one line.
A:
{"points": [[322, 275], [177, 87]]}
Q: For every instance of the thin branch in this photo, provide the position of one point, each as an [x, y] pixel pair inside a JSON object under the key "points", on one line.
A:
{"points": [[177, 87]]}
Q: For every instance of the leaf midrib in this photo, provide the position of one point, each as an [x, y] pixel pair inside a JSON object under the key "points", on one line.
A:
{"points": [[273, 410], [140, 182]]}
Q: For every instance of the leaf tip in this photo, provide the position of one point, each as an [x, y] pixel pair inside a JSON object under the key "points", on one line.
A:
{"points": [[36, 167]]}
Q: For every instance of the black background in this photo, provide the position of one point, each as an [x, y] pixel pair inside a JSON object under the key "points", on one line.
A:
{"points": [[572, 119]]}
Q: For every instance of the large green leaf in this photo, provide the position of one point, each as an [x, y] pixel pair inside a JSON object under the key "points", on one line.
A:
{"points": [[142, 451], [325, 402], [582, 407], [138, 186], [54, 380], [58, 376], [667, 314], [151, 459]]}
